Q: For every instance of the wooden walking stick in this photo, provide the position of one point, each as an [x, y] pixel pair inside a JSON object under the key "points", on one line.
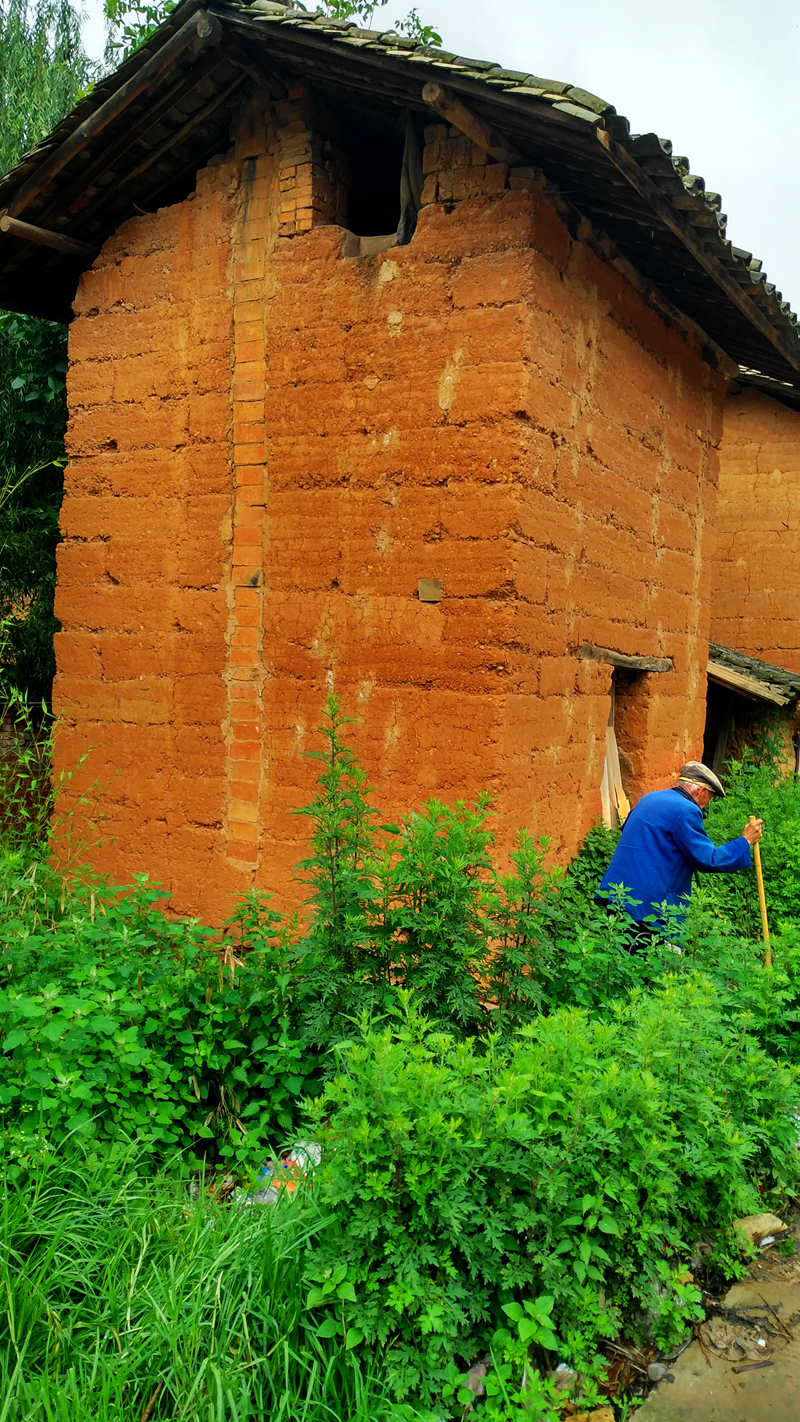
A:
{"points": [[762, 903]]}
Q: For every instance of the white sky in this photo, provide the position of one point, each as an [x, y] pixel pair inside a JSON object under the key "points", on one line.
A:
{"points": [[721, 78]]}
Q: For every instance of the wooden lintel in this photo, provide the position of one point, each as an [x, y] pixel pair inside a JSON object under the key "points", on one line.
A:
{"points": [[589, 653], [43, 237], [444, 103], [197, 31], [667, 213], [747, 685]]}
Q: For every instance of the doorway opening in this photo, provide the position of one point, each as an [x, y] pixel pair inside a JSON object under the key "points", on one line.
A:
{"points": [[626, 740]]}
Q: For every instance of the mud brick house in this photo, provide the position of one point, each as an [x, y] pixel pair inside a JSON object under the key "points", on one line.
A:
{"points": [[390, 371]]}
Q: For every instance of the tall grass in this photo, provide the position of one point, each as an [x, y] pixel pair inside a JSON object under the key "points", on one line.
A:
{"points": [[127, 1298]]}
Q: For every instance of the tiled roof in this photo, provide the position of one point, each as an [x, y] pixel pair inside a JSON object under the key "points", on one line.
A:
{"points": [[783, 685], [780, 390], [658, 215]]}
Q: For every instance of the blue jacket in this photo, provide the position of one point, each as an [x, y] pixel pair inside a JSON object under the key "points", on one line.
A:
{"points": [[662, 842]]}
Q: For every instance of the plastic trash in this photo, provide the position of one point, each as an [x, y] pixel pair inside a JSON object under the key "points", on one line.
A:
{"points": [[286, 1173]]}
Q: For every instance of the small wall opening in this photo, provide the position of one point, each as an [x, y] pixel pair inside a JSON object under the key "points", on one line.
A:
{"points": [[375, 157]]}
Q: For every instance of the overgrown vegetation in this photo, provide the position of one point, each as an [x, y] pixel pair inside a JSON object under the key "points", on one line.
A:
{"points": [[525, 1127], [43, 71], [125, 1293]]}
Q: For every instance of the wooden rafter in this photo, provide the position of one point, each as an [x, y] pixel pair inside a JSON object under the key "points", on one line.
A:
{"points": [[44, 237], [69, 200], [201, 28], [667, 213]]}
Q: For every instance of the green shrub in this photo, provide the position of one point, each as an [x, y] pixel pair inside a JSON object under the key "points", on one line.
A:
{"points": [[119, 1024], [759, 788], [575, 1162], [419, 906]]}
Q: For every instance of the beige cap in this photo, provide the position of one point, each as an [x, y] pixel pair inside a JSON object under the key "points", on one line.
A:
{"points": [[700, 774]]}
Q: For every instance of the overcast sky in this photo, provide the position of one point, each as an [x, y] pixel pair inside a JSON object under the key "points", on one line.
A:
{"points": [[721, 78]]}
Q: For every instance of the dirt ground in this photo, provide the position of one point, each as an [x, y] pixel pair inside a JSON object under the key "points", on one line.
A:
{"points": [[744, 1365]]}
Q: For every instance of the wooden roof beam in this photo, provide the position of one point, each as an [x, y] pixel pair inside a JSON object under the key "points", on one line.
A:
{"points": [[444, 103], [173, 140], [243, 54], [44, 237], [197, 31], [750, 686], [74, 198]]}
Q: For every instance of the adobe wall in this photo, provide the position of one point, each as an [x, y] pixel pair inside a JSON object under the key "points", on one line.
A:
{"points": [[755, 593], [493, 406]]}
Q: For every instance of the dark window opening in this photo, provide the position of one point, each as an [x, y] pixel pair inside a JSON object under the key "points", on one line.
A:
{"points": [[375, 157]]}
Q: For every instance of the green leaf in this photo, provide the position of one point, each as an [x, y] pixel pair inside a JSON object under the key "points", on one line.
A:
{"points": [[15, 1038], [329, 1328], [346, 1291], [353, 1337]]}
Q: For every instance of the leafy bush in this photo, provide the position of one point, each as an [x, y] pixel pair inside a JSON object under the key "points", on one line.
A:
{"points": [[761, 789], [575, 1161], [420, 906], [515, 1171], [119, 1024]]}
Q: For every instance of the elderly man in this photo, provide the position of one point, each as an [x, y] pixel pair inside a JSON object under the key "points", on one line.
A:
{"points": [[663, 841]]}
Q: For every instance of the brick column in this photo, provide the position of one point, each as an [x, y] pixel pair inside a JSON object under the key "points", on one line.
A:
{"points": [[254, 237], [314, 175], [293, 178]]}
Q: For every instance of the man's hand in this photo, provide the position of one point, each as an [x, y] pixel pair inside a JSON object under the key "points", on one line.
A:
{"points": [[752, 832]]}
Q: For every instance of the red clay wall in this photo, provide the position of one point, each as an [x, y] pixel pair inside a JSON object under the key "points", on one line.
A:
{"points": [[755, 597], [492, 406], [143, 566]]}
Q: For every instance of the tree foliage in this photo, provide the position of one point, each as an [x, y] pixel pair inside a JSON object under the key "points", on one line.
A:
{"points": [[33, 363], [131, 22], [43, 71]]}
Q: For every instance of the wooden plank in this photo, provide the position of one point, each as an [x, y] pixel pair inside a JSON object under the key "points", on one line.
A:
{"points": [[589, 653], [664, 210], [197, 31], [451, 109], [44, 237], [748, 685], [621, 802], [607, 806]]}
